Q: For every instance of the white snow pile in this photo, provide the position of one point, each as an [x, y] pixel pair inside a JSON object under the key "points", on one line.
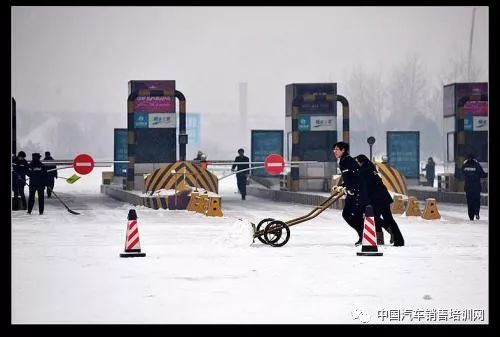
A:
{"points": [[238, 235], [159, 193]]}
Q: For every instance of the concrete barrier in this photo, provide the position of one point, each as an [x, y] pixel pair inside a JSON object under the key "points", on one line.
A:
{"points": [[441, 196], [117, 192]]}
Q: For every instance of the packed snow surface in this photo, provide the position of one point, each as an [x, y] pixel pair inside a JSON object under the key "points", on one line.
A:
{"points": [[66, 268]]}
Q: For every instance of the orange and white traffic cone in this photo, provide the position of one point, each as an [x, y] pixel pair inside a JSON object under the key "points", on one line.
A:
{"points": [[132, 244], [369, 243]]}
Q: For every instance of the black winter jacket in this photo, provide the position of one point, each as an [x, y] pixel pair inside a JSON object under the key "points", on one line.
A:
{"points": [[473, 172], [20, 169], [375, 188], [239, 167], [351, 180], [50, 167], [37, 173]]}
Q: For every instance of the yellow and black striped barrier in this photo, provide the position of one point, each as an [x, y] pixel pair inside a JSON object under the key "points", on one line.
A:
{"points": [[169, 178], [392, 178]]}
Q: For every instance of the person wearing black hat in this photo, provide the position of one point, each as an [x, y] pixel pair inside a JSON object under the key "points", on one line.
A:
{"points": [[51, 174], [241, 177], [38, 181], [473, 172], [19, 172]]}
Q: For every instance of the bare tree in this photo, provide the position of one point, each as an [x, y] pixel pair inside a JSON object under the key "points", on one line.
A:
{"points": [[456, 71], [407, 92], [367, 94]]}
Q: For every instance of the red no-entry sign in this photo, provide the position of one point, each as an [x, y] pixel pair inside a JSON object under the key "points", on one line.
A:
{"points": [[274, 164], [83, 163]]}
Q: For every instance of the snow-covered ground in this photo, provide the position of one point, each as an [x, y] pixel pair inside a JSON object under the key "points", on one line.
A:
{"points": [[66, 268]]}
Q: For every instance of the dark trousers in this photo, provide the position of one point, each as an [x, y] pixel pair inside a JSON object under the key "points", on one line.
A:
{"points": [[384, 219], [31, 198], [18, 188], [473, 203], [353, 215], [50, 186], [242, 184]]}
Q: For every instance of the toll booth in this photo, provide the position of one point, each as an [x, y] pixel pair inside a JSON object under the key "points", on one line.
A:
{"points": [[310, 132], [465, 113], [151, 126]]}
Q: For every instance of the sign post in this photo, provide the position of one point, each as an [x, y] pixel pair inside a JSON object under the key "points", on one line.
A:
{"points": [[371, 141], [274, 164], [83, 164]]}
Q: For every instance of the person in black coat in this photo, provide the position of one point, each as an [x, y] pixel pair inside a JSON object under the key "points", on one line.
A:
{"points": [[379, 198], [430, 171], [19, 172], [51, 175], [38, 181], [356, 199], [198, 158], [473, 172], [241, 177]]}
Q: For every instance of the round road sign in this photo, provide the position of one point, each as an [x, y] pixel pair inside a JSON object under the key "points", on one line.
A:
{"points": [[274, 164], [83, 164]]}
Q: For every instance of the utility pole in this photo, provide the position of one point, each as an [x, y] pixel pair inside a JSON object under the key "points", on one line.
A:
{"points": [[470, 44]]}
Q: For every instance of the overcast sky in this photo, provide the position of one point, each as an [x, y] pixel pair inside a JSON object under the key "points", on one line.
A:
{"points": [[80, 59]]}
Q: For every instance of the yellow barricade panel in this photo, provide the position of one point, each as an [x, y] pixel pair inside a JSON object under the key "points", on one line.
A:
{"points": [[213, 208], [192, 201], [397, 206], [431, 211], [412, 208]]}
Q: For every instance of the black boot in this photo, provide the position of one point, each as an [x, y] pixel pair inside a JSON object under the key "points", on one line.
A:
{"points": [[360, 240], [399, 242], [389, 230]]}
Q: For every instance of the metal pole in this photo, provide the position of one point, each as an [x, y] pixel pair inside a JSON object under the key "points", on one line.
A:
{"points": [[371, 158], [470, 44]]}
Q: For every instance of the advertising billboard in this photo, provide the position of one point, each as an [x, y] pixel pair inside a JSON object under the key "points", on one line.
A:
{"points": [[141, 120], [161, 120], [317, 123], [403, 152], [264, 143], [476, 108], [319, 106], [154, 104], [120, 150]]}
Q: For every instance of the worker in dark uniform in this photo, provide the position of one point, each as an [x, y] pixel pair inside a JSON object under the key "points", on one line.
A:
{"points": [[430, 171], [379, 198], [356, 199], [51, 174], [19, 172], [473, 172], [197, 159], [241, 177], [38, 180]]}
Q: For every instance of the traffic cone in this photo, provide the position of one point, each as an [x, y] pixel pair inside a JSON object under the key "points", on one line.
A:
{"points": [[369, 243], [132, 245]]}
